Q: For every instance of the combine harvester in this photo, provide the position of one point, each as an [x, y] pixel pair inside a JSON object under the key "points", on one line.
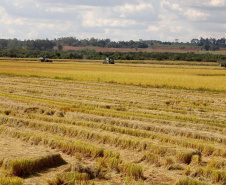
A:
{"points": [[222, 63], [109, 61], [42, 59]]}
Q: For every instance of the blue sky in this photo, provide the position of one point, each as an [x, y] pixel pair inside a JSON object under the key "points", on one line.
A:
{"points": [[164, 20]]}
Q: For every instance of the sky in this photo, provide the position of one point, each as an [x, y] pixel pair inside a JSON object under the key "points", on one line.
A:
{"points": [[164, 20]]}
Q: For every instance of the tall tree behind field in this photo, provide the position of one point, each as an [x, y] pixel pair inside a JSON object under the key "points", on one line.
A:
{"points": [[10, 44], [42, 45]]}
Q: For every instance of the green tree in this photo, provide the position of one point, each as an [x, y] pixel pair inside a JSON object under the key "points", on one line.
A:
{"points": [[206, 46], [60, 47]]}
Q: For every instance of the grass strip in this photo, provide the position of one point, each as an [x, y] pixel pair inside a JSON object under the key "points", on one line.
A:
{"points": [[11, 181], [216, 176], [70, 147], [95, 110], [190, 181], [71, 178], [139, 144], [25, 167]]}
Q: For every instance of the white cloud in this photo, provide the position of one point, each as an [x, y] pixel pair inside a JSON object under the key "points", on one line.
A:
{"points": [[176, 7], [137, 8], [56, 10], [195, 15], [217, 3], [154, 28], [92, 19], [118, 20]]}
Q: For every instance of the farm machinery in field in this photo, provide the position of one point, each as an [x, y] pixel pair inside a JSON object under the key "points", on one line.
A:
{"points": [[43, 59], [109, 60], [222, 63]]}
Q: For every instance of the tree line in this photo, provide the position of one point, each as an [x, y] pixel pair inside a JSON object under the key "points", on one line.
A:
{"points": [[95, 55], [44, 45]]}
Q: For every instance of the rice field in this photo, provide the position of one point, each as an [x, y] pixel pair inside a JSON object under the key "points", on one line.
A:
{"points": [[178, 77], [88, 123]]}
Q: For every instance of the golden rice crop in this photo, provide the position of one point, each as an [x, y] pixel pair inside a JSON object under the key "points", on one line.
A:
{"points": [[24, 167], [11, 181], [70, 178], [119, 141], [120, 134], [146, 76], [190, 181]]}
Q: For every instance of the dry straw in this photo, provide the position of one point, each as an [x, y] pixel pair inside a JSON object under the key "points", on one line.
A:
{"points": [[24, 167]]}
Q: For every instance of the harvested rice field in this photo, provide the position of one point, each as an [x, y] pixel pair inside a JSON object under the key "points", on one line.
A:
{"points": [[90, 131]]}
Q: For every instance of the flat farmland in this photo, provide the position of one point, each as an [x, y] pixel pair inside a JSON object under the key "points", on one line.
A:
{"points": [[88, 123]]}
